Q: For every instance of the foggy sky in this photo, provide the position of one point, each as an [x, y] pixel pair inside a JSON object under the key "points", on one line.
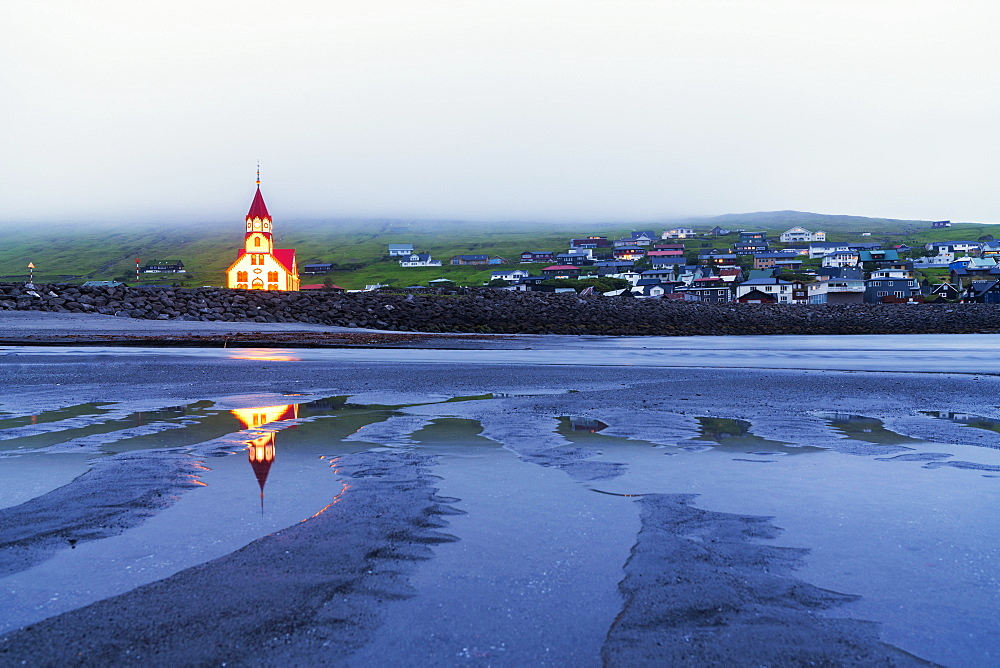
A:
{"points": [[520, 109]]}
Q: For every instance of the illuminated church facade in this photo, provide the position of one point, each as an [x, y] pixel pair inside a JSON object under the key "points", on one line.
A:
{"points": [[259, 265]]}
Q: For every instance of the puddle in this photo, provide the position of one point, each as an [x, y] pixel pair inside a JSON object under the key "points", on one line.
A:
{"points": [[975, 421], [861, 428], [735, 436], [80, 410]]}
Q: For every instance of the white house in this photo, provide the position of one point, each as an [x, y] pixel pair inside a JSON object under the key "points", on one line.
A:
{"points": [[819, 249], [837, 291], [799, 234], [418, 260], [678, 233], [842, 259], [513, 275], [400, 249]]}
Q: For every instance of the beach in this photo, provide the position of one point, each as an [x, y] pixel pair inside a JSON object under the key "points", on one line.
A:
{"points": [[494, 500]]}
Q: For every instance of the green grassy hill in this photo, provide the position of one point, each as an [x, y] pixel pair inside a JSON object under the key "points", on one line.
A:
{"points": [[78, 252]]}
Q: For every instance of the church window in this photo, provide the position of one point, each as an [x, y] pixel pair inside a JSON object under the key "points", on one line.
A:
{"points": [[256, 241], [257, 284], [272, 286], [241, 286], [241, 276], [253, 259], [272, 276]]}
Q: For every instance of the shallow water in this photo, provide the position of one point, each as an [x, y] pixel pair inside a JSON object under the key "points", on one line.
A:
{"points": [[943, 353], [263, 467]]}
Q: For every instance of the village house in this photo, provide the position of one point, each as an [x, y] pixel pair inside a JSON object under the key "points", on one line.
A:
{"points": [[818, 249], [881, 255], [890, 285], [669, 274], [719, 259], [629, 253], [771, 260], [650, 287], [643, 238], [537, 256], [661, 262], [800, 234], [784, 292], [611, 267], [848, 258], [164, 267], [512, 275], [982, 292], [938, 224], [590, 242], [731, 274], [470, 259], [837, 291], [678, 233], [756, 296], [580, 259], [561, 271], [943, 291], [400, 249], [418, 260], [317, 268], [712, 290], [990, 249], [972, 248]]}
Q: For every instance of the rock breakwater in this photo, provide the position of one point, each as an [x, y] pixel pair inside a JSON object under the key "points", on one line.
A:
{"points": [[475, 310]]}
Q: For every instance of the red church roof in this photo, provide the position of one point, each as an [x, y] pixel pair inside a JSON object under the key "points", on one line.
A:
{"points": [[258, 209], [286, 256]]}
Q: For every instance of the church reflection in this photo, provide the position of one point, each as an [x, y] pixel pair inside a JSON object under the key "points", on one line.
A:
{"points": [[260, 450]]}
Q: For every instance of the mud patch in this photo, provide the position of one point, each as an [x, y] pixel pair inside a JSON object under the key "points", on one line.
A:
{"points": [[699, 590]]}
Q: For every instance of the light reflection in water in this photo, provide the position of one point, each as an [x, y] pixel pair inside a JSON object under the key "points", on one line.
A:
{"points": [[264, 355], [260, 450]]}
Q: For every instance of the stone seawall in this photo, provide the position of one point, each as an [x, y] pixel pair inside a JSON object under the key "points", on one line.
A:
{"points": [[496, 311]]}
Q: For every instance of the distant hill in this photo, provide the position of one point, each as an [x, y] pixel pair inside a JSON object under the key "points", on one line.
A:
{"points": [[813, 221]]}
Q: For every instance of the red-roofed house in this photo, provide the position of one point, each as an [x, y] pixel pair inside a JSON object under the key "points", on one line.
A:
{"points": [[258, 265], [561, 271]]}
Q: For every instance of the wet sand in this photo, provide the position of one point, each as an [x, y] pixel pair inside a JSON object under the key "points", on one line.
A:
{"points": [[700, 588]]}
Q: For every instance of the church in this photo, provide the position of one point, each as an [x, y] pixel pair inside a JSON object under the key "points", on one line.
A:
{"points": [[260, 266]]}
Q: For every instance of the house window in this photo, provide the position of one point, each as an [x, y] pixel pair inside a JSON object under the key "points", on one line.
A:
{"points": [[882, 294], [899, 293], [272, 276]]}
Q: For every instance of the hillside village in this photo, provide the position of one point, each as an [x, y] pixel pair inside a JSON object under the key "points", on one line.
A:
{"points": [[798, 267]]}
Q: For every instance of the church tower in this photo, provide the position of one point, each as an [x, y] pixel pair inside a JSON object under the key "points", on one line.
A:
{"points": [[259, 265]]}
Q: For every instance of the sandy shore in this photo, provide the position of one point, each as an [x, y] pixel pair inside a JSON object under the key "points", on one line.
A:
{"points": [[701, 587], [45, 328]]}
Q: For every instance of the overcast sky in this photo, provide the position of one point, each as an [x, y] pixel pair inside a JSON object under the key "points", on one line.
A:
{"points": [[498, 109]]}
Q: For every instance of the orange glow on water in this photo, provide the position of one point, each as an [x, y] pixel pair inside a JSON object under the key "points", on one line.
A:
{"points": [[253, 418], [327, 507], [263, 355]]}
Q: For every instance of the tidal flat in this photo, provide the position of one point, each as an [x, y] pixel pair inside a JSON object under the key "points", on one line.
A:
{"points": [[581, 502]]}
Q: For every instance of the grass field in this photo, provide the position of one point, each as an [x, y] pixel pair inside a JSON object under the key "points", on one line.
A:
{"points": [[77, 252]]}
